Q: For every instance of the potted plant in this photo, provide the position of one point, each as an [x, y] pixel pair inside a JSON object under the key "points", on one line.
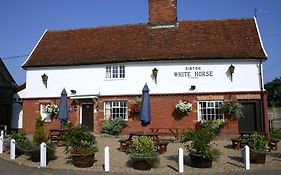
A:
{"points": [[214, 125], [144, 155], [232, 109], [39, 136], [257, 144], [80, 143], [200, 150], [114, 126]]}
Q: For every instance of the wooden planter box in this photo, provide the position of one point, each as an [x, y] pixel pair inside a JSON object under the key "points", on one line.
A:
{"points": [[198, 161]]}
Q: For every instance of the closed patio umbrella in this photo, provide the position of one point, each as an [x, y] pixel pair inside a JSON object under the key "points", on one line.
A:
{"points": [[145, 114], [63, 108]]}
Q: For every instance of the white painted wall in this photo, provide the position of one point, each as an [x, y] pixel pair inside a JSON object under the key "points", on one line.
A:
{"points": [[17, 112], [90, 80]]}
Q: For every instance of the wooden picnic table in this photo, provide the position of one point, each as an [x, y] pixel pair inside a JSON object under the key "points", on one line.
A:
{"points": [[126, 144], [57, 136], [167, 130], [244, 136]]}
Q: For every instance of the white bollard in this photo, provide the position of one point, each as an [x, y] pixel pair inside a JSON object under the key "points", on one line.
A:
{"points": [[43, 155], [1, 145], [13, 149], [181, 161], [106, 159], [2, 135], [246, 157]]}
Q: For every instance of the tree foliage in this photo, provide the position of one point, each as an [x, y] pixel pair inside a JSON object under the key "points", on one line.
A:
{"points": [[273, 89]]}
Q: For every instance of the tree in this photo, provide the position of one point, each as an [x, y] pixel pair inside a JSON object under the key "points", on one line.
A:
{"points": [[273, 89]]}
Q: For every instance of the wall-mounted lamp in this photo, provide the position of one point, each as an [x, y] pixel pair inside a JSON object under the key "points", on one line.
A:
{"points": [[154, 74], [231, 71], [44, 79]]}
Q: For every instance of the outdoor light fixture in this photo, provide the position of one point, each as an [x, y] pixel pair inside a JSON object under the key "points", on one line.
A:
{"points": [[154, 74], [44, 79], [231, 71]]}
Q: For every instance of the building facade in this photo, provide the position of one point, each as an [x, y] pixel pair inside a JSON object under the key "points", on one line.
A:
{"points": [[7, 88], [104, 70]]}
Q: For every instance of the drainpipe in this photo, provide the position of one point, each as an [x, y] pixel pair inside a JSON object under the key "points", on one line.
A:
{"points": [[262, 97]]}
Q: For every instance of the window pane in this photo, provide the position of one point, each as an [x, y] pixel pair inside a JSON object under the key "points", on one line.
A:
{"points": [[118, 109], [122, 71], [210, 110], [115, 72], [108, 72]]}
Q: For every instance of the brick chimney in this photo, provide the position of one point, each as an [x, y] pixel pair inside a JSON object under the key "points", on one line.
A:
{"points": [[162, 11]]}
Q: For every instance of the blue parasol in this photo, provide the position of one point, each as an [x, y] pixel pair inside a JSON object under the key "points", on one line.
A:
{"points": [[63, 108], [145, 114]]}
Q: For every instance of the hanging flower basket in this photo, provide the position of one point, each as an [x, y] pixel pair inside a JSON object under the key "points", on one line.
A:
{"points": [[53, 109], [183, 108], [136, 105]]}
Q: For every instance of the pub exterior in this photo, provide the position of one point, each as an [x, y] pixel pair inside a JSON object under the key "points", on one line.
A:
{"points": [[103, 69]]}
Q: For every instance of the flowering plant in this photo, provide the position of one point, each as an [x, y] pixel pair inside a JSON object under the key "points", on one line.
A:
{"points": [[136, 105], [52, 109], [183, 108]]}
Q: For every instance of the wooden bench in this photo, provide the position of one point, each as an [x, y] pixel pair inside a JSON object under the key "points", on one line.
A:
{"points": [[56, 136], [162, 146], [124, 145], [273, 144]]}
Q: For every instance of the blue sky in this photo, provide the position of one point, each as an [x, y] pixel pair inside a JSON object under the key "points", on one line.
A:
{"points": [[23, 22]]}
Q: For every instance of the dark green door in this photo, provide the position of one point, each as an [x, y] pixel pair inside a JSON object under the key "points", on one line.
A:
{"points": [[252, 120], [88, 116]]}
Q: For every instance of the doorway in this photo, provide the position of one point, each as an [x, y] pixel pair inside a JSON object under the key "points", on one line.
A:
{"points": [[88, 116], [252, 120]]}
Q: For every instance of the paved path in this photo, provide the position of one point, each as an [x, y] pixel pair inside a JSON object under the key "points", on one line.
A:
{"points": [[11, 168]]}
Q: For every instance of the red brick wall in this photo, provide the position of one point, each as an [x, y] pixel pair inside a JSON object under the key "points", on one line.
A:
{"points": [[162, 11], [162, 112], [31, 109]]}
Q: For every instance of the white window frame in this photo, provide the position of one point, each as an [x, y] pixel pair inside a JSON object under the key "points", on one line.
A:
{"points": [[115, 72], [45, 115], [109, 107], [213, 106]]}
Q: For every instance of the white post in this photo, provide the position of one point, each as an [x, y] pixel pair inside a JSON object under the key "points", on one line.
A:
{"points": [[1, 145], [13, 149], [43, 157], [246, 157], [181, 161], [2, 135], [106, 159]]}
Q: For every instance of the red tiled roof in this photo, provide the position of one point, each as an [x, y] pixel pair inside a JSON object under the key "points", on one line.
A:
{"points": [[210, 39]]}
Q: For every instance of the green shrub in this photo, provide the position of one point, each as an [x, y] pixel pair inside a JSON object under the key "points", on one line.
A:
{"points": [[257, 142], [143, 145], [21, 141], [214, 125], [143, 149], [80, 140], [200, 141], [114, 126], [18, 137], [39, 136]]}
